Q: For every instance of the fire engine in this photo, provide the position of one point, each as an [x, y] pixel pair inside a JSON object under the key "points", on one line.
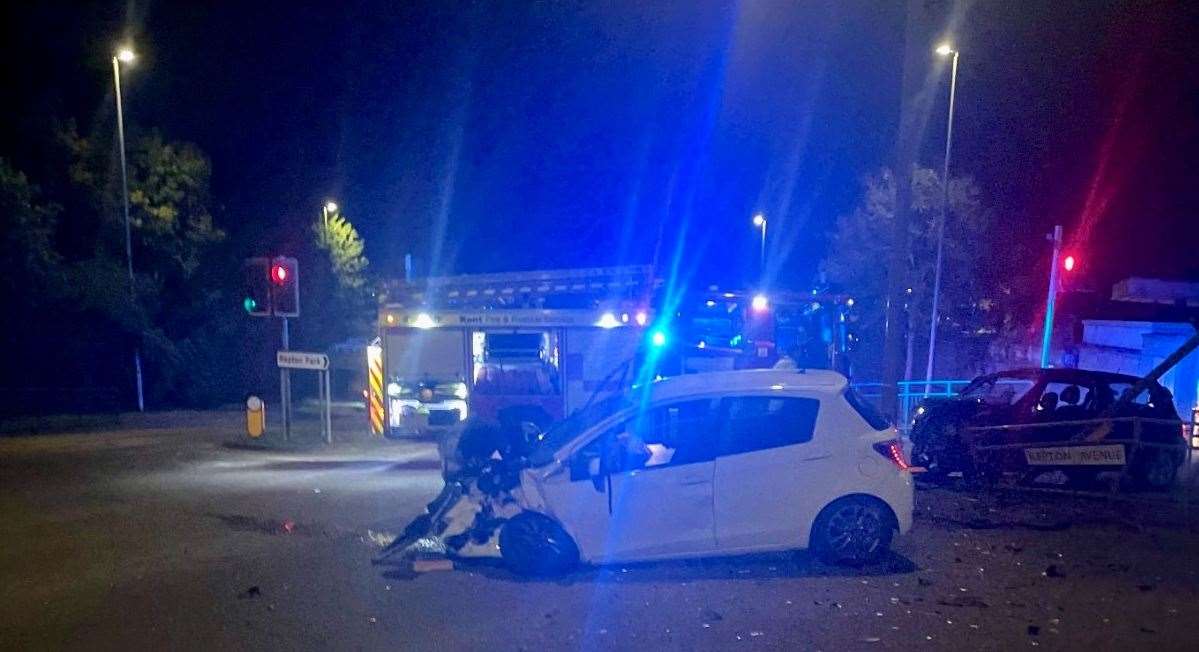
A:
{"points": [[720, 330], [520, 349]]}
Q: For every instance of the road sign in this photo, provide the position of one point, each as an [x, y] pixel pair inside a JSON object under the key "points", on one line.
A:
{"points": [[301, 360]]}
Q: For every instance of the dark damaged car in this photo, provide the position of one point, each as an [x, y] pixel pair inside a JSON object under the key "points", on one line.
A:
{"points": [[1052, 423]]}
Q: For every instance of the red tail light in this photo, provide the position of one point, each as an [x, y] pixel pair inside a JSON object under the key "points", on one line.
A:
{"points": [[892, 449]]}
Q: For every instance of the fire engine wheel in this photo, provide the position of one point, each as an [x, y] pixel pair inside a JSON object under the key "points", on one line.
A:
{"points": [[533, 544], [853, 531]]}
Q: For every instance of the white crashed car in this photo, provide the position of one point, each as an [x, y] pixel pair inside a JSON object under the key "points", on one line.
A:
{"points": [[713, 464]]}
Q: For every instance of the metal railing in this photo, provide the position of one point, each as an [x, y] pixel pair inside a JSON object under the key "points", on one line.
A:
{"points": [[1087, 435], [911, 393]]}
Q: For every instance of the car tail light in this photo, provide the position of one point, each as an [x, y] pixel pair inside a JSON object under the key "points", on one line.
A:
{"points": [[892, 449]]}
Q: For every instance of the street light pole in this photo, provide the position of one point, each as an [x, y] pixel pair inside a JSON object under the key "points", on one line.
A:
{"points": [[944, 50], [760, 222], [329, 207], [1051, 299], [126, 55]]}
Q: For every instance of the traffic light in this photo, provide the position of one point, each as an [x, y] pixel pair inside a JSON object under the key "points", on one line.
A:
{"points": [[1068, 263], [257, 297], [284, 277]]}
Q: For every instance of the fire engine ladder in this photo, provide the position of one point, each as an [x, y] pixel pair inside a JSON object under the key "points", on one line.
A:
{"points": [[525, 289]]}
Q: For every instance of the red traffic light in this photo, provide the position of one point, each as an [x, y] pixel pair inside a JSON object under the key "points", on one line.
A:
{"points": [[1068, 263], [279, 274]]}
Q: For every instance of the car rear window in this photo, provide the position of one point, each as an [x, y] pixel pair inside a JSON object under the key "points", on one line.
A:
{"points": [[867, 411]]}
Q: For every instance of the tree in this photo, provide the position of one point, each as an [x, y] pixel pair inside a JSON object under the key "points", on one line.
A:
{"points": [[175, 308], [27, 255], [341, 297], [344, 247], [861, 244]]}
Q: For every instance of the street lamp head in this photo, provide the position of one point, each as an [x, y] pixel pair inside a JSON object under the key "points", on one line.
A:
{"points": [[944, 50], [331, 207], [759, 219], [126, 55]]}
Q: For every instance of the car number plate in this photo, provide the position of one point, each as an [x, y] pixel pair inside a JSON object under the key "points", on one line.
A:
{"points": [[1104, 455]]}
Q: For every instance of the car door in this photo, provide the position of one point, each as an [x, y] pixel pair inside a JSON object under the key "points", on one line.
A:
{"points": [[652, 496], [767, 462]]}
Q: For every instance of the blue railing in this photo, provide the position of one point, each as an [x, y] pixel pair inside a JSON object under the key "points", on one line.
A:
{"points": [[911, 393]]}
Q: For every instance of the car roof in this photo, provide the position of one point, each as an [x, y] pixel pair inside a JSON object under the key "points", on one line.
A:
{"points": [[1066, 375], [820, 380]]}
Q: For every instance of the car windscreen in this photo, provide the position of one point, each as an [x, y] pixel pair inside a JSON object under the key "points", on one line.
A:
{"points": [[567, 429], [1001, 390], [866, 410]]}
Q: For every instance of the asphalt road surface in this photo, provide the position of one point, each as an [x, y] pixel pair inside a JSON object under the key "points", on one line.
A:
{"points": [[157, 535]]}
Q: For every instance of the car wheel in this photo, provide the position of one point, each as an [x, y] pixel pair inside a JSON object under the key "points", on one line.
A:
{"points": [[1156, 470], [853, 531], [533, 544]]}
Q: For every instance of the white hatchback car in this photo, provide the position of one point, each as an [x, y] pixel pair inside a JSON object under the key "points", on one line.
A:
{"points": [[713, 464]]}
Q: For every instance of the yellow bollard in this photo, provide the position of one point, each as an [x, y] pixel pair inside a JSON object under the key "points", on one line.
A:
{"points": [[255, 417]]}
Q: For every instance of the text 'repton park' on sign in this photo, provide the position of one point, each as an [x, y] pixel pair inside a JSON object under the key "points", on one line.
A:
{"points": [[301, 360]]}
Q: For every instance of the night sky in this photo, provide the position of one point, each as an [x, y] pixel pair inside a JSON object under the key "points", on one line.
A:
{"points": [[539, 135]]}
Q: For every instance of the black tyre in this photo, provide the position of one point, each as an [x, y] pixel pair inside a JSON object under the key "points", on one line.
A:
{"points": [[533, 544], [853, 531], [1155, 470]]}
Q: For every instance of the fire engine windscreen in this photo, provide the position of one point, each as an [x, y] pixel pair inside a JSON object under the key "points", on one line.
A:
{"points": [[415, 355]]}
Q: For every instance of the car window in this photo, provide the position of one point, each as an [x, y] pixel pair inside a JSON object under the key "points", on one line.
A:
{"points": [[1069, 395], [559, 434], [1155, 399], [866, 410], [999, 391], [1118, 390], [668, 435], [753, 423]]}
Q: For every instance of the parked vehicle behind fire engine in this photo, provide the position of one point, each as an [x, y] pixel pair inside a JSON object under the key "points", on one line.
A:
{"points": [[715, 463], [944, 442]]}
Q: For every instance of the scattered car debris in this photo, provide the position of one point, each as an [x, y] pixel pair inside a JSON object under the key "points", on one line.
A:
{"points": [[252, 592], [432, 565], [963, 601]]}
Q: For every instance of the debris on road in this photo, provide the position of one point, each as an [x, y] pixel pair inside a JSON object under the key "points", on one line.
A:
{"points": [[432, 565], [252, 592], [381, 539], [963, 601], [1053, 571]]}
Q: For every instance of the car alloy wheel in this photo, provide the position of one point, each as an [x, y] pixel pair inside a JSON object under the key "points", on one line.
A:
{"points": [[854, 530]]}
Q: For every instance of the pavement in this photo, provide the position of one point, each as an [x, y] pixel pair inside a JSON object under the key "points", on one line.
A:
{"points": [[157, 534]]}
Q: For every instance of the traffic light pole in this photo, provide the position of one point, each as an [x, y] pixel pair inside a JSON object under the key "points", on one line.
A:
{"points": [[1051, 300], [285, 387]]}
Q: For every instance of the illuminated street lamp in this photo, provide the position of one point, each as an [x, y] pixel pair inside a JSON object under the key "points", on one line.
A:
{"points": [[943, 50], [126, 55], [760, 222], [329, 207]]}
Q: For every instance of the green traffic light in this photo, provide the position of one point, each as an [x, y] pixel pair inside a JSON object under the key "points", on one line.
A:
{"points": [[249, 304]]}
